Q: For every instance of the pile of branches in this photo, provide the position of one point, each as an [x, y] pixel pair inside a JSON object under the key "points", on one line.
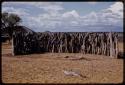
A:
{"points": [[103, 43]]}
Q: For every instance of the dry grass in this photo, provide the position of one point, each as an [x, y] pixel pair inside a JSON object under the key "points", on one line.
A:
{"points": [[120, 45], [47, 68]]}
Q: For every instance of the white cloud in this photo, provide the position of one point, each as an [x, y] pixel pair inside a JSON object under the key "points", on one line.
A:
{"points": [[71, 20], [91, 18], [55, 7], [115, 10], [53, 20], [117, 7], [19, 11], [112, 16], [72, 13], [47, 6]]}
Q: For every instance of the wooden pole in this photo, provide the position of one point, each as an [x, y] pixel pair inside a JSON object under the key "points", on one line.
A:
{"points": [[111, 48], [116, 49], [13, 46]]}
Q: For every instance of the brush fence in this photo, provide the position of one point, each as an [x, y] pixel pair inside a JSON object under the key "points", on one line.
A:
{"points": [[101, 43]]}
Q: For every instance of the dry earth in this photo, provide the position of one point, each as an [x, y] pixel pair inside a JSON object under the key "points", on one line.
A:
{"points": [[48, 68]]}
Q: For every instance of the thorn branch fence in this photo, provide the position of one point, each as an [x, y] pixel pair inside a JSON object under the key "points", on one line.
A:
{"points": [[101, 43]]}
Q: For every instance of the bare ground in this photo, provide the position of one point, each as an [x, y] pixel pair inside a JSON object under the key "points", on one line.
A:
{"points": [[48, 68]]}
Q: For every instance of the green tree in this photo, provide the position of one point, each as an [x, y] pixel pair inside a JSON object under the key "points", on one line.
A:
{"points": [[9, 21]]}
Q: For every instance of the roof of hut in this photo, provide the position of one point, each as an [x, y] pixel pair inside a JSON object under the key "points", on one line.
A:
{"points": [[23, 29]]}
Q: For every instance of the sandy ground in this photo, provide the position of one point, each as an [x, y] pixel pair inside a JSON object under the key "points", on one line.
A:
{"points": [[48, 68]]}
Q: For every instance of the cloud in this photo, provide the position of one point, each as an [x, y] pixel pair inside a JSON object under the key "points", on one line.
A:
{"points": [[46, 6], [54, 20], [117, 7], [72, 13], [105, 20], [115, 10], [51, 6], [48, 21], [19, 11]]}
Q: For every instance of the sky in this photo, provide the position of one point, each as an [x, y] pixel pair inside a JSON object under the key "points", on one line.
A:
{"points": [[68, 16]]}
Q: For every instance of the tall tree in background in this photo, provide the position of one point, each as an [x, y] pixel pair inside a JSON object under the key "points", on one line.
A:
{"points": [[9, 21]]}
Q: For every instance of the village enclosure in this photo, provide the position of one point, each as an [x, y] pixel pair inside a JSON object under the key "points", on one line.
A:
{"points": [[101, 43]]}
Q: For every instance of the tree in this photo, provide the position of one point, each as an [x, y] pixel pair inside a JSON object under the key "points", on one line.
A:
{"points": [[9, 21]]}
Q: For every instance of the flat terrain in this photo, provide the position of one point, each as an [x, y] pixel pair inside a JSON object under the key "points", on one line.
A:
{"points": [[48, 68]]}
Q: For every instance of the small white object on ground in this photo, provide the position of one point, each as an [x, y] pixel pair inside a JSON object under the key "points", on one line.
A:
{"points": [[71, 73]]}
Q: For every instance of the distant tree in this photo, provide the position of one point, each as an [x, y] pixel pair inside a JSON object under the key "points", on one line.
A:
{"points": [[47, 31], [9, 21]]}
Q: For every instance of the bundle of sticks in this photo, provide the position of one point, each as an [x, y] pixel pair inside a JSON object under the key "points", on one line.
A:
{"points": [[101, 43]]}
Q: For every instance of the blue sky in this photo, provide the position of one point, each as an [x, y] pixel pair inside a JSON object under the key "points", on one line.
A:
{"points": [[68, 16]]}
